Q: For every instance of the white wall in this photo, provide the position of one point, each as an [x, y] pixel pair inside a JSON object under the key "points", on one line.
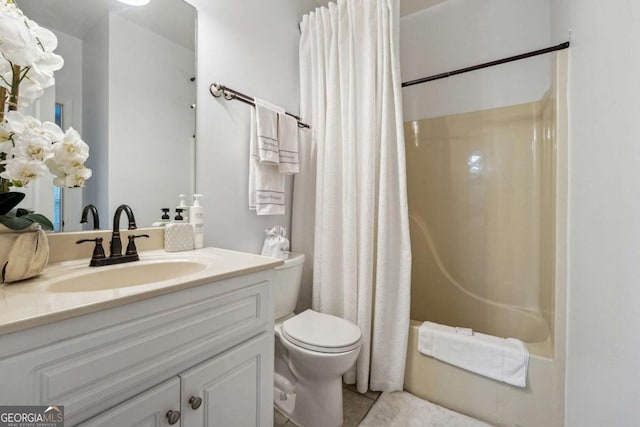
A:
{"points": [[603, 376], [151, 124], [95, 123], [68, 90], [251, 46], [69, 79], [461, 33]]}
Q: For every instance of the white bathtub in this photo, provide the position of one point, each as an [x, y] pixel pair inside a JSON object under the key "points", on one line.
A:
{"points": [[482, 398]]}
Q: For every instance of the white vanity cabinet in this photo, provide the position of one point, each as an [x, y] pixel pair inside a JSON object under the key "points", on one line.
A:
{"points": [[225, 391], [132, 364]]}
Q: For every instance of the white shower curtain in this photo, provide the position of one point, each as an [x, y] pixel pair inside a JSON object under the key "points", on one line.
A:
{"points": [[351, 96]]}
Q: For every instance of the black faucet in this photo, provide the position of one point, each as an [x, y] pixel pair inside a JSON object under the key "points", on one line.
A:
{"points": [[116, 244], [94, 214], [98, 259]]}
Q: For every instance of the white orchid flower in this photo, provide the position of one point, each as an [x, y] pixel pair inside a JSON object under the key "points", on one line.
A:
{"points": [[71, 149], [75, 178], [28, 127], [18, 43], [32, 147], [30, 90], [40, 75], [6, 143], [47, 40], [18, 122], [23, 42], [23, 170]]}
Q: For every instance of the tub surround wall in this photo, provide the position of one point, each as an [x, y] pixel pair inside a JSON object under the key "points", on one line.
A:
{"points": [[474, 181], [463, 171], [460, 33]]}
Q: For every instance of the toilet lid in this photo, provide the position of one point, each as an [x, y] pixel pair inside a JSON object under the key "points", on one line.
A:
{"points": [[321, 332]]}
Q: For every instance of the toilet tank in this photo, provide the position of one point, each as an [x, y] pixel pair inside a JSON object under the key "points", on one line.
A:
{"points": [[286, 285]]}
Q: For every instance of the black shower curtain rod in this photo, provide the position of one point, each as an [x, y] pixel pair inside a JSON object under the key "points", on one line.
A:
{"points": [[487, 64]]}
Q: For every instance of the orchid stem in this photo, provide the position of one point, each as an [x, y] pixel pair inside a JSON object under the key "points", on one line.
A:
{"points": [[3, 98], [15, 89]]}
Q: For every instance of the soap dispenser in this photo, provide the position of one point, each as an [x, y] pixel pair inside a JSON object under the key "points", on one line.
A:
{"points": [[196, 218], [185, 208], [164, 220], [179, 217]]}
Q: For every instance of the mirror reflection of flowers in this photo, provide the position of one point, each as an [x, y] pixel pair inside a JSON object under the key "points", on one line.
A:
{"points": [[30, 149]]}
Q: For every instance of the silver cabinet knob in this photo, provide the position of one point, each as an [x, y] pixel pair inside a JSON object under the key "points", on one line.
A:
{"points": [[195, 402], [173, 417]]}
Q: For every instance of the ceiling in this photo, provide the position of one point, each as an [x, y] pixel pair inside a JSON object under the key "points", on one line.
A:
{"points": [[407, 7], [171, 19]]}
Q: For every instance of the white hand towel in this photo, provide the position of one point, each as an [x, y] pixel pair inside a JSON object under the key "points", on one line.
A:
{"points": [[502, 359], [266, 183], [288, 148], [267, 122]]}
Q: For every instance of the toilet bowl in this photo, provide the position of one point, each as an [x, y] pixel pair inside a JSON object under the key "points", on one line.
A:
{"points": [[313, 351]]}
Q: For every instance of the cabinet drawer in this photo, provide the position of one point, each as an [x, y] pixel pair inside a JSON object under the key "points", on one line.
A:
{"points": [[93, 372]]}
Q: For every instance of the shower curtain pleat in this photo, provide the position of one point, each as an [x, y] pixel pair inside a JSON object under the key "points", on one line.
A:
{"points": [[359, 245]]}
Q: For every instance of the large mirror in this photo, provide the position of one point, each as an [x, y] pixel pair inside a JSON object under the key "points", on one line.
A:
{"points": [[128, 86]]}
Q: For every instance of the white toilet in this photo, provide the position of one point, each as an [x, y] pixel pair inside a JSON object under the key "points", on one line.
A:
{"points": [[312, 352]]}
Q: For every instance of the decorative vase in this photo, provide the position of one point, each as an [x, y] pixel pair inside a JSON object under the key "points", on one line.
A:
{"points": [[23, 253]]}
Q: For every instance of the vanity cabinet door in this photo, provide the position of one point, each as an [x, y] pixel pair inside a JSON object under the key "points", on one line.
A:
{"points": [[235, 387], [148, 409]]}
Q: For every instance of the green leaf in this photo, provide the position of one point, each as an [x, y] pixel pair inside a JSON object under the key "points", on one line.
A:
{"points": [[25, 221], [9, 201], [15, 222], [40, 219], [22, 212]]}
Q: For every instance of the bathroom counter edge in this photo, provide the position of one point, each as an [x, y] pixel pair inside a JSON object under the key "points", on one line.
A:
{"points": [[23, 308]]}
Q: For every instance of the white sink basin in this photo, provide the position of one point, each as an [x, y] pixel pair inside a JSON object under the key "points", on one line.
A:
{"points": [[125, 275]]}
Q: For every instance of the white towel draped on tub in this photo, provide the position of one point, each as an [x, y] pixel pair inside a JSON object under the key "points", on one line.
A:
{"points": [[503, 359], [266, 183]]}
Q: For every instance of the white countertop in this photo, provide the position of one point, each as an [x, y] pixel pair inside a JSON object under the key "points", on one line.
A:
{"points": [[28, 304]]}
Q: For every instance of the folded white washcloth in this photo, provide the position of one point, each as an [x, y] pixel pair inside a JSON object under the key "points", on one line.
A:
{"points": [[289, 161], [502, 359], [267, 128], [266, 183]]}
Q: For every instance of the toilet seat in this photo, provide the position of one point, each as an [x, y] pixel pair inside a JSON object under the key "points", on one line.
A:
{"points": [[321, 332]]}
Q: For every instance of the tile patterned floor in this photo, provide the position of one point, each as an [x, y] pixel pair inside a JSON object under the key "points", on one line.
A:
{"points": [[355, 408]]}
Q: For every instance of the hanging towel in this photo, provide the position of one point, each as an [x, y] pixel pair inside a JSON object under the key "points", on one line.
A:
{"points": [[267, 122], [266, 183], [288, 148], [502, 359]]}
